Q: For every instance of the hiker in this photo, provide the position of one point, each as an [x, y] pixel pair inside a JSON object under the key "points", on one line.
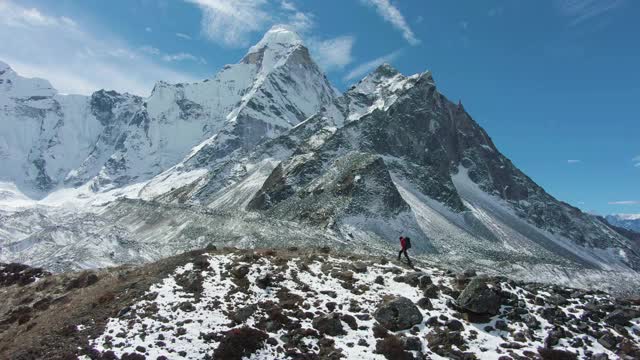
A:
{"points": [[405, 244]]}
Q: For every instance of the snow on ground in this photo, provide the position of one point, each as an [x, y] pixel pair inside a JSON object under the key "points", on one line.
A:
{"points": [[192, 312]]}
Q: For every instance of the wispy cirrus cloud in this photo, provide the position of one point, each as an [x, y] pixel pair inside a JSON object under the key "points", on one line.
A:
{"points": [[332, 54], [74, 58], [625, 202], [231, 23], [182, 56], [573, 161], [183, 36], [369, 66], [580, 11], [636, 161], [391, 14]]}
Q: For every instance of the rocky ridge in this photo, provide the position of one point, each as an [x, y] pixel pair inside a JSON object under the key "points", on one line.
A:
{"points": [[317, 304]]}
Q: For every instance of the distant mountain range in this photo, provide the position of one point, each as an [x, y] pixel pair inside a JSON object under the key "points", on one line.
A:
{"points": [[627, 221], [268, 152]]}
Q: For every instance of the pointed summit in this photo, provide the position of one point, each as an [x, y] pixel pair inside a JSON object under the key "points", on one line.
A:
{"points": [[4, 66], [386, 70], [279, 36]]}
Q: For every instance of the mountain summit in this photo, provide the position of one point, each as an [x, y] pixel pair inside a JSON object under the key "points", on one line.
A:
{"points": [[267, 153]]}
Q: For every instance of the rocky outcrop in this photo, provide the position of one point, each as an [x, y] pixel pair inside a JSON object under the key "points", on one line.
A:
{"points": [[397, 313], [479, 298]]}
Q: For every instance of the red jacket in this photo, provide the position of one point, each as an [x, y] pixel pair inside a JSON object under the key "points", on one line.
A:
{"points": [[403, 243]]}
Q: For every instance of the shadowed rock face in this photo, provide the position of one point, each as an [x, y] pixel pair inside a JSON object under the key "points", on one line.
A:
{"points": [[321, 191]]}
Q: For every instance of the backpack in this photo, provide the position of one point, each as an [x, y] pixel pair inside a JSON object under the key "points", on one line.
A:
{"points": [[408, 242]]}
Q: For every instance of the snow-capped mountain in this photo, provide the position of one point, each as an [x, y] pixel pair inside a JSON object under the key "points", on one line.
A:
{"points": [[626, 221], [267, 152], [112, 140]]}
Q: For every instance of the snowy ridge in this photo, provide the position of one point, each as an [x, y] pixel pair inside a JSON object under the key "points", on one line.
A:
{"points": [[272, 305]]}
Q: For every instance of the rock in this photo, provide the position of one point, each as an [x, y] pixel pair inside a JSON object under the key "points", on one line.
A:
{"points": [[478, 298], [599, 356], [412, 343], [240, 271], [329, 324], [393, 348], [240, 343], [359, 267], [85, 279], [469, 273], [186, 306], [608, 341], [244, 313], [425, 304], [379, 280], [455, 325], [134, 356], [557, 299], [501, 325], [531, 322], [554, 354], [621, 316], [264, 281], [349, 320], [441, 340], [431, 292], [397, 313], [11, 274]]}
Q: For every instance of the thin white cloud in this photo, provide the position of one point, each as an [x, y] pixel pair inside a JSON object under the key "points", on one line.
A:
{"points": [[332, 54], [72, 58], [183, 36], [182, 56], [580, 11], [288, 5], [369, 66], [636, 161], [464, 24], [625, 202], [392, 15], [148, 29], [571, 162], [232, 22]]}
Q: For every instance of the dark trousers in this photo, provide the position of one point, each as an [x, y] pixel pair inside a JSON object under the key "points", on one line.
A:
{"points": [[405, 255]]}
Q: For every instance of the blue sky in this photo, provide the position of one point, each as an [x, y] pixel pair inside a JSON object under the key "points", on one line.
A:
{"points": [[555, 83]]}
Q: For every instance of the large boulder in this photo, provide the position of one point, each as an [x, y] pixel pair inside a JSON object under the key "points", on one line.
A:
{"points": [[621, 316], [479, 298], [329, 324], [397, 313]]}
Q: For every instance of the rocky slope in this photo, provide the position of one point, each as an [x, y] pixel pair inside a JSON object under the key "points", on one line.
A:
{"points": [[292, 304]]}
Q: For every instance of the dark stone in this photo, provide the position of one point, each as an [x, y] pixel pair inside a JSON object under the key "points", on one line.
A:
{"points": [[554, 354], [608, 341], [477, 297], [455, 325], [329, 324], [621, 316], [393, 348], [425, 304], [397, 313], [239, 343]]}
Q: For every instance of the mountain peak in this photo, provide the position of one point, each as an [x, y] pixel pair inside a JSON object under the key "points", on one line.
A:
{"points": [[4, 67], [279, 36], [386, 70]]}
